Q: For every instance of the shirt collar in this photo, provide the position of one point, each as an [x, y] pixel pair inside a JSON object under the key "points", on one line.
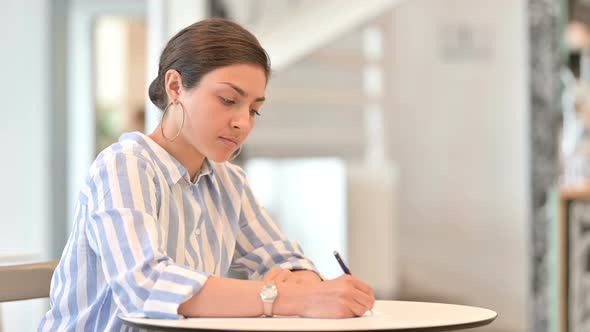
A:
{"points": [[206, 170], [172, 169]]}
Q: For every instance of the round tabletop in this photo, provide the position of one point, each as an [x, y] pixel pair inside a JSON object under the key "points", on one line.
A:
{"points": [[387, 316]]}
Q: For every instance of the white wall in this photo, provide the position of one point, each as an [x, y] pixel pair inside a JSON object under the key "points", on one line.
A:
{"points": [[24, 90], [457, 128], [23, 129]]}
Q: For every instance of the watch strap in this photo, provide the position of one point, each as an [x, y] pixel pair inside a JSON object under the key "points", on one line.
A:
{"points": [[268, 309]]}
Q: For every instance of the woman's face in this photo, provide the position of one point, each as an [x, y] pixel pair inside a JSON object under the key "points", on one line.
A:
{"points": [[221, 110]]}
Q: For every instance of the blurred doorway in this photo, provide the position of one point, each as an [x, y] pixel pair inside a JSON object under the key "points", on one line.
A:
{"points": [[120, 77]]}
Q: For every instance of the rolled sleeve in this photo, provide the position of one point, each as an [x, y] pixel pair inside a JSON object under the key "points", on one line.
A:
{"points": [[124, 232], [175, 285]]}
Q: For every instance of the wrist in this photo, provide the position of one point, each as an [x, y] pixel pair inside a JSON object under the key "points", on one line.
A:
{"points": [[268, 295], [290, 300]]}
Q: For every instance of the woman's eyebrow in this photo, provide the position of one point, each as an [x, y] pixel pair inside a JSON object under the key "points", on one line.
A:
{"points": [[241, 91]]}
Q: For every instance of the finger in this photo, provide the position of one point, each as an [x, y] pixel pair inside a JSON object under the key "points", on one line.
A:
{"points": [[363, 299], [270, 275], [283, 275], [278, 275], [356, 308], [360, 292], [363, 287]]}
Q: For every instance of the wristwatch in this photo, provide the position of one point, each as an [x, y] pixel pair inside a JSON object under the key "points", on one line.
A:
{"points": [[268, 294]]}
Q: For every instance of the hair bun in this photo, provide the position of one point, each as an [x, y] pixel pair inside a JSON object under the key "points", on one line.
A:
{"points": [[156, 93]]}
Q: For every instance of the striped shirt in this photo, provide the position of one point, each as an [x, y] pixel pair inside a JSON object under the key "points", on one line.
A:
{"points": [[146, 238]]}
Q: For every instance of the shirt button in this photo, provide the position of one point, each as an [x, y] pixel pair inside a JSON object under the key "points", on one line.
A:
{"points": [[198, 232]]}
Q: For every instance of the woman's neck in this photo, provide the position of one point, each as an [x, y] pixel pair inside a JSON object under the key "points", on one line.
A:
{"points": [[186, 154]]}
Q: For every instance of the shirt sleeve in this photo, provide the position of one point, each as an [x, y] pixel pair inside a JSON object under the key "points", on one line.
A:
{"points": [[124, 231], [261, 245]]}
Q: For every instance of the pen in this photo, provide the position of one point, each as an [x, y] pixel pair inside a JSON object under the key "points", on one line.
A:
{"points": [[345, 268], [341, 263]]}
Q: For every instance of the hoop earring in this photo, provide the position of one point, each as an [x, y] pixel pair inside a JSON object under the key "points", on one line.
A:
{"points": [[164, 115], [235, 155]]}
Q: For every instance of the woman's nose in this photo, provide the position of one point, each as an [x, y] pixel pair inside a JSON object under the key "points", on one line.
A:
{"points": [[241, 120]]}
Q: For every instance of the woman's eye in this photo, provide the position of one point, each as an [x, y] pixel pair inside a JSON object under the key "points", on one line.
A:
{"points": [[254, 112], [227, 101]]}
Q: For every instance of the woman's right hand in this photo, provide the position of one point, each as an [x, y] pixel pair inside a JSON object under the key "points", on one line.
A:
{"points": [[343, 297]]}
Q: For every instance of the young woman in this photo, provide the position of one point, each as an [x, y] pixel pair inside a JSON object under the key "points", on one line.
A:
{"points": [[162, 218]]}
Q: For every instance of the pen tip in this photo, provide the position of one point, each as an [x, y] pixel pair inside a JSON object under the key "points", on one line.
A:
{"points": [[335, 252]]}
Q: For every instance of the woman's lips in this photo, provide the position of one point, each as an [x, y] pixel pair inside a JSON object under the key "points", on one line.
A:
{"points": [[229, 142]]}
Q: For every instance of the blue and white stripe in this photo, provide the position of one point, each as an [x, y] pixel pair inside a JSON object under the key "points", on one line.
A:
{"points": [[146, 238]]}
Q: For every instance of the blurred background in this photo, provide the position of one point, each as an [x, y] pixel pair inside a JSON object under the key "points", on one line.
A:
{"points": [[426, 140]]}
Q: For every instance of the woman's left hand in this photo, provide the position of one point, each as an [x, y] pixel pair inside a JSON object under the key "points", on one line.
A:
{"points": [[288, 276], [306, 277], [277, 275]]}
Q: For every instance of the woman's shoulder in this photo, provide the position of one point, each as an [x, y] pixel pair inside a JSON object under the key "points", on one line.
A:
{"points": [[124, 164], [131, 153]]}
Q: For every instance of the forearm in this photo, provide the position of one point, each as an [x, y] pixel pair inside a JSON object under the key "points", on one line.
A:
{"points": [[222, 297]]}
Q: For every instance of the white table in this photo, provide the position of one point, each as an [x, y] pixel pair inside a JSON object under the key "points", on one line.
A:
{"points": [[387, 316]]}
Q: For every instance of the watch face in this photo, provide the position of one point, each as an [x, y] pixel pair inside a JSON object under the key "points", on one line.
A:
{"points": [[268, 293]]}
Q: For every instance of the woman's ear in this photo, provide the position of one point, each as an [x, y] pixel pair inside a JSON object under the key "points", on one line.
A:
{"points": [[173, 84]]}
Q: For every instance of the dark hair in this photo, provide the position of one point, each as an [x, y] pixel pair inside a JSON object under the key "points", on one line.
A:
{"points": [[203, 47]]}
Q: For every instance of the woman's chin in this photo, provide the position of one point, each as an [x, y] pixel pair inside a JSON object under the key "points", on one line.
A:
{"points": [[219, 157]]}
